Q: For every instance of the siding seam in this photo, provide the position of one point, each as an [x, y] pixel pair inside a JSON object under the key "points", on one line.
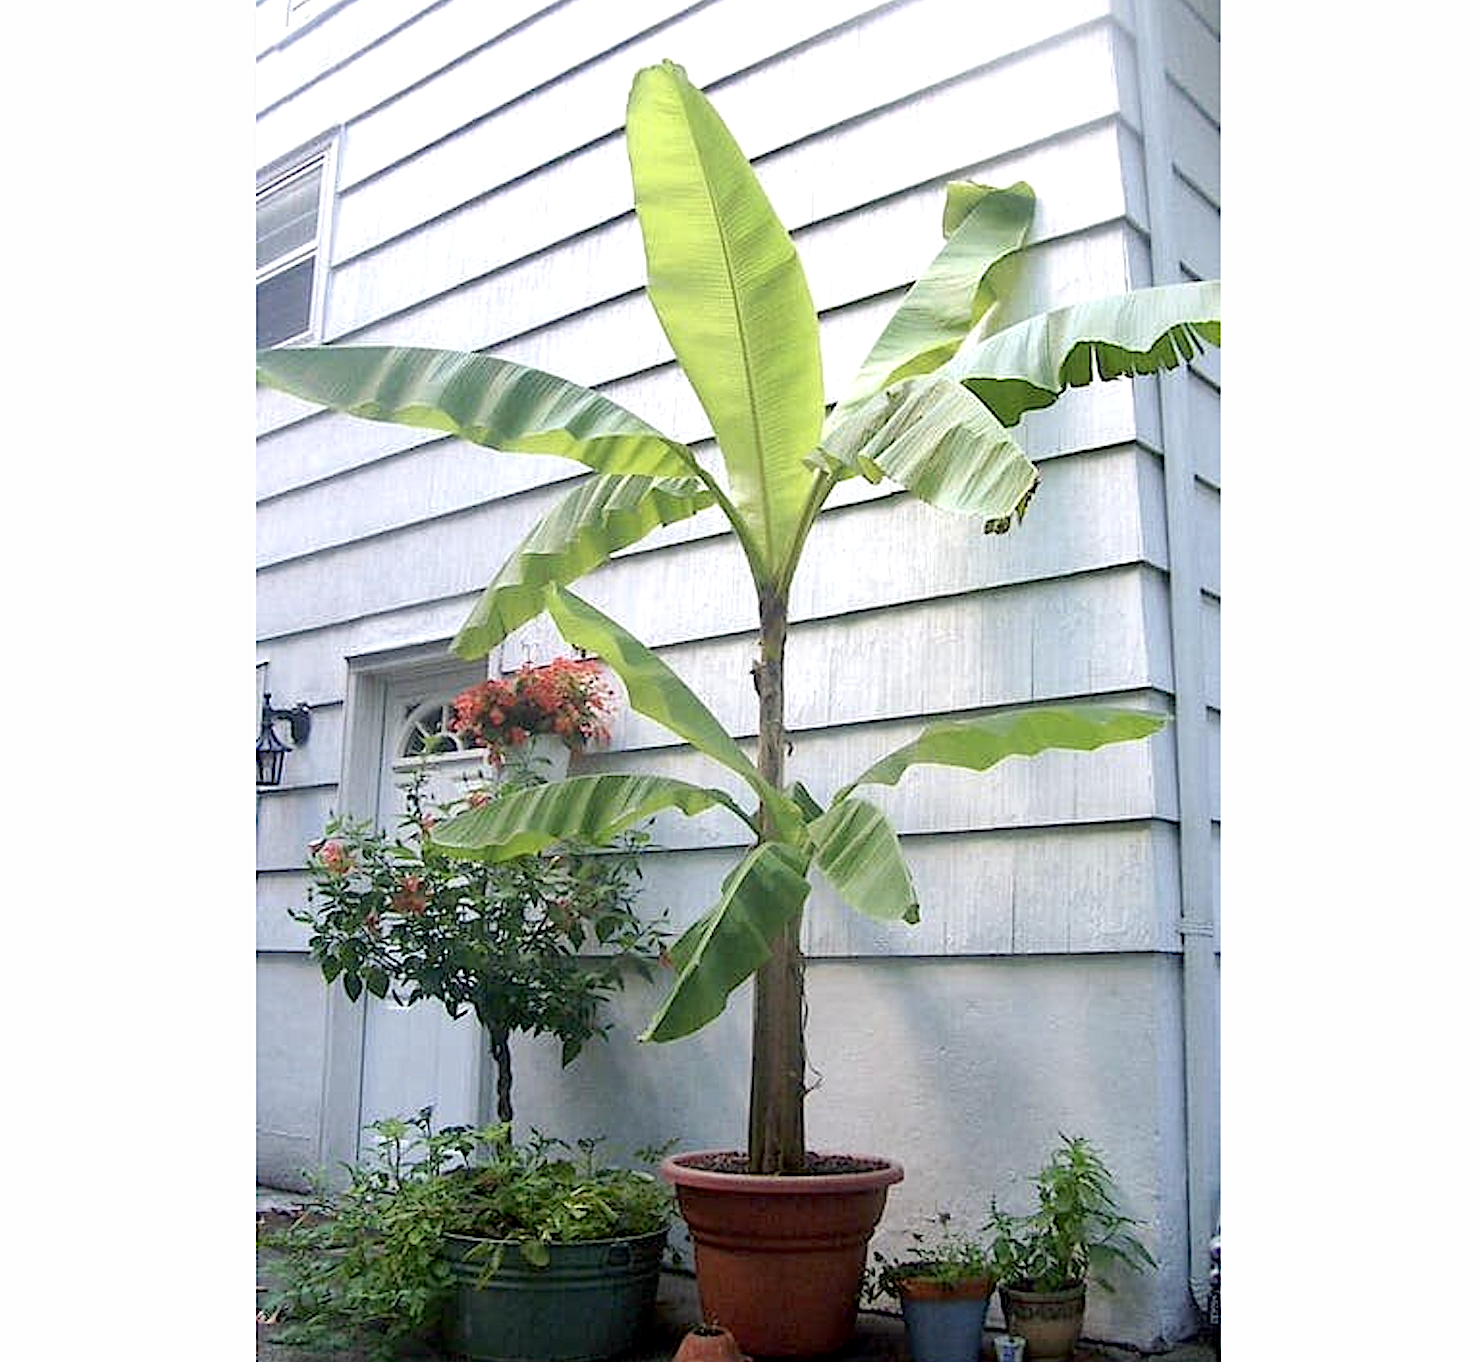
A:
{"points": [[1002, 831]]}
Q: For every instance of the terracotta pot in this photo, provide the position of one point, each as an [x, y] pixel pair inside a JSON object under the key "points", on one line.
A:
{"points": [[709, 1343], [779, 1260], [1048, 1321]]}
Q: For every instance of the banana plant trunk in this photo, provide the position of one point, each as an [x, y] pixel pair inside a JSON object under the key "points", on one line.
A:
{"points": [[777, 1141]]}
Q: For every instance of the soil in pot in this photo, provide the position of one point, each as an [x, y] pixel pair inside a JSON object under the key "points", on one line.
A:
{"points": [[779, 1260]]}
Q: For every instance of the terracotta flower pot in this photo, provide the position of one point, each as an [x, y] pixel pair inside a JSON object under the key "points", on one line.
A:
{"points": [[709, 1343], [1048, 1321], [779, 1259]]}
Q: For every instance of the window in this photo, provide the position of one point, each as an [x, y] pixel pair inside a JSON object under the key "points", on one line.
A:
{"points": [[288, 212]]}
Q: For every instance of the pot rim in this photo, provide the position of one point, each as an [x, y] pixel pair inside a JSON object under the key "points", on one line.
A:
{"points": [[964, 1288], [560, 1243], [676, 1170], [1067, 1294]]}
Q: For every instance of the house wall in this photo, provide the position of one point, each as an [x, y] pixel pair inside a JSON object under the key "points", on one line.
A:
{"points": [[483, 201]]}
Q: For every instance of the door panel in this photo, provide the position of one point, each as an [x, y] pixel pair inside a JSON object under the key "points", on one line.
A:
{"points": [[418, 1056]]}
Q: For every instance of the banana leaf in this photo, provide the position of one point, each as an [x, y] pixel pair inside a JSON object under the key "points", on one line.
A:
{"points": [[759, 899], [728, 288], [481, 399], [589, 524]]}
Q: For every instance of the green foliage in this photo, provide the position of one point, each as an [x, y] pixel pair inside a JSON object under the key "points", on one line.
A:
{"points": [[365, 1269], [946, 1257], [930, 409], [534, 944], [1077, 1231]]}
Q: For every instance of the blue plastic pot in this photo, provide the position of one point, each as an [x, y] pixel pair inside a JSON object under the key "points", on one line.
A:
{"points": [[945, 1325]]}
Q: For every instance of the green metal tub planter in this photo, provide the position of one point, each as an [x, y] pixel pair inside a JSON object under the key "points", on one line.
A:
{"points": [[506, 1251], [586, 1301]]}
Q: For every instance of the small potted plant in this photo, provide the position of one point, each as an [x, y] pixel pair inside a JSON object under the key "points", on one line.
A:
{"points": [[1043, 1259], [943, 1282], [535, 945], [507, 1250]]}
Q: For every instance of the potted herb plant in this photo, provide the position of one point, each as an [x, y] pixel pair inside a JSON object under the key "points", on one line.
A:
{"points": [[1043, 1259], [506, 1250], [930, 409], [943, 1283], [535, 944]]}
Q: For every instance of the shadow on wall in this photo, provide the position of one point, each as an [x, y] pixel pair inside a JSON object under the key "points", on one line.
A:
{"points": [[967, 1069]]}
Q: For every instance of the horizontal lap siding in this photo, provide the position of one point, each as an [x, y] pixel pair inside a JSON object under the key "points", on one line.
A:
{"points": [[871, 62], [699, 587], [1040, 890], [484, 201], [585, 201]]}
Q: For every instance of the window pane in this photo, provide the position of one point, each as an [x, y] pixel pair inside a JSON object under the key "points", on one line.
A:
{"points": [[284, 303], [288, 216]]}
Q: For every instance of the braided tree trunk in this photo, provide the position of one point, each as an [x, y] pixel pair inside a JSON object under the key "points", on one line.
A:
{"points": [[503, 1070]]}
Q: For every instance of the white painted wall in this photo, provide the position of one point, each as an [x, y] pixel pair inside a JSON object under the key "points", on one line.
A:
{"points": [[483, 201]]}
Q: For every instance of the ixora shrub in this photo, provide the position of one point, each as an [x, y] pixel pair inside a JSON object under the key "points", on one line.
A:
{"points": [[369, 1268], [930, 409], [533, 944]]}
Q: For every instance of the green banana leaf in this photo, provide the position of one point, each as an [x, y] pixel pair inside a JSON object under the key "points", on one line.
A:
{"points": [[984, 226], [859, 852], [725, 280], [933, 437], [1027, 366], [592, 809], [487, 401], [980, 743], [655, 690], [589, 524], [759, 899]]}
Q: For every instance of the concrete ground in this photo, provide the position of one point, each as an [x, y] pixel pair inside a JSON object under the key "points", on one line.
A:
{"points": [[879, 1337]]}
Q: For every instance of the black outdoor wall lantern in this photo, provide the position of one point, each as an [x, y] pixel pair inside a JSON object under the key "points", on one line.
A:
{"points": [[270, 748]]}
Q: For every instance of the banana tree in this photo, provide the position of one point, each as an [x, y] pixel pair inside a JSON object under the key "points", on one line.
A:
{"points": [[931, 409]]}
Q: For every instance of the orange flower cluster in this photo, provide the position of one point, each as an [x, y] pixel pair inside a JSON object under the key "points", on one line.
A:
{"points": [[567, 697], [411, 897], [335, 858]]}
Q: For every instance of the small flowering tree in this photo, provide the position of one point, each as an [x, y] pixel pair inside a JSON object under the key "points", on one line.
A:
{"points": [[513, 941], [567, 697]]}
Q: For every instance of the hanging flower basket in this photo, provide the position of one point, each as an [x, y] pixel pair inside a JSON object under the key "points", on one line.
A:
{"points": [[569, 698]]}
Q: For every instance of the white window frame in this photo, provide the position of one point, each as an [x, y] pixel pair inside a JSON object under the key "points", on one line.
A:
{"points": [[320, 154]]}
